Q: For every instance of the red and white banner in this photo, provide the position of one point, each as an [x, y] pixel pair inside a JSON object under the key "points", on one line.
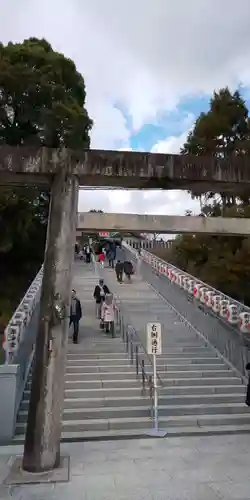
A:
{"points": [[104, 234]]}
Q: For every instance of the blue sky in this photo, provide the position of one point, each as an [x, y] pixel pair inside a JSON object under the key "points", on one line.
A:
{"points": [[174, 123], [169, 124]]}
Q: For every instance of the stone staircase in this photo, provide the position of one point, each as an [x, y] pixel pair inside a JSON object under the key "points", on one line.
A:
{"points": [[102, 393], [199, 391]]}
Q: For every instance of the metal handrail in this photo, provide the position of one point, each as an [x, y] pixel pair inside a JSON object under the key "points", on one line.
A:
{"points": [[133, 349], [135, 334]]}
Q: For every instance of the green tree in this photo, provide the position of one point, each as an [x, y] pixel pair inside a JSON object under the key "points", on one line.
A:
{"points": [[42, 97], [221, 132], [221, 261], [42, 102]]}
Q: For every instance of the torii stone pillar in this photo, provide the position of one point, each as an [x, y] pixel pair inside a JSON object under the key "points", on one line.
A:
{"points": [[42, 442]]}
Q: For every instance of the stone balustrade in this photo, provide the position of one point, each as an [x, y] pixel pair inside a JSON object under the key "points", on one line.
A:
{"points": [[234, 312], [19, 343], [147, 244], [14, 333]]}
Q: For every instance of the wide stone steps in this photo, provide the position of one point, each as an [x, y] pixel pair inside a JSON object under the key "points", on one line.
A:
{"points": [[100, 402], [103, 397], [96, 371], [165, 375], [164, 360], [144, 411], [110, 383], [132, 393], [143, 424]]}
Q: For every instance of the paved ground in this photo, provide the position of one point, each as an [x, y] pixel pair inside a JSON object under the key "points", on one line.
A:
{"points": [[204, 468]]}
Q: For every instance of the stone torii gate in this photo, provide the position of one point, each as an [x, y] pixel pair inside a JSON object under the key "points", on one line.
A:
{"points": [[63, 171]]}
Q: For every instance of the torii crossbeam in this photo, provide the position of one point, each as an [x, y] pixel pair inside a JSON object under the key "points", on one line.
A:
{"points": [[168, 224], [125, 169]]}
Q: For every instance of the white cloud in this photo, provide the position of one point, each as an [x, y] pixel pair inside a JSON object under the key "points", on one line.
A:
{"points": [[142, 202], [172, 144], [144, 55], [104, 133]]}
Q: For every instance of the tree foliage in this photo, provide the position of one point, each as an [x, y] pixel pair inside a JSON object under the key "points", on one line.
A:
{"points": [[222, 261], [221, 132], [42, 97], [42, 102]]}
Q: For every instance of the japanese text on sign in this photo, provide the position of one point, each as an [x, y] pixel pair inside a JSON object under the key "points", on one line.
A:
{"points": [[154, 338]]}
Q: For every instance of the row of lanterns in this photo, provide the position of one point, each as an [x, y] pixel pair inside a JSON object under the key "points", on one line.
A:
{"points": [[210, 298]]}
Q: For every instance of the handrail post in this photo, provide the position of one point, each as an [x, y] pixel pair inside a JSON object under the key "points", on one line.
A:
{"points": [[117, 316], [131, 352], [156, 424], [143, 375], [131, 340], [137, 359], [150, 381], [123, 328], [126, 338]]}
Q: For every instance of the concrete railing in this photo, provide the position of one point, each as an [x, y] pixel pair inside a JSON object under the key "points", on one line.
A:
{"points": [[221, 319], [19, 342]]}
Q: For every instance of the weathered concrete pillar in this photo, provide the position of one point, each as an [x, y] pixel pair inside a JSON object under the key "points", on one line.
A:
{"points": [[42, 443]]}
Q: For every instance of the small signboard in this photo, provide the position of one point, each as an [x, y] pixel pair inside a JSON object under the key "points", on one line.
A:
{"points": [[104, 234], [154, 338]]}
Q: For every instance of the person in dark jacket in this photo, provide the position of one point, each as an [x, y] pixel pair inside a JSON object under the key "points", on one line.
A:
{"points": [[119, 271], [128, 269], [88, 254], [75, 315], [248, 385], [100, 292], [111, 258]]}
